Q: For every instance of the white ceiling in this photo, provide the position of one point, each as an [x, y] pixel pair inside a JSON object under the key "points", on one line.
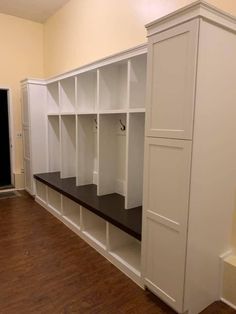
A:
{"points": [[35, 10]]}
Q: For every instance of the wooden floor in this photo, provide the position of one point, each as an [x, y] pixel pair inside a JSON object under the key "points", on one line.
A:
{"points": [[46, 268]]}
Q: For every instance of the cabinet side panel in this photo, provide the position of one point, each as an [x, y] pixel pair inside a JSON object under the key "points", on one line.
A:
{"points": [[38, 124], [86, 149], [68, 153], [25, 106], [213, 183]]}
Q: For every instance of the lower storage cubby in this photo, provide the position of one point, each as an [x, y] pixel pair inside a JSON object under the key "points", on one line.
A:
{"points": [[118, 246], [54, 200], [71, 211], [125, 249], [94, 227], [41, 191]]}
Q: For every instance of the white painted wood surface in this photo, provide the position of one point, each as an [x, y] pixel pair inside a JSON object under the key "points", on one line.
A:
{"points": [[71, 211], [113, 86], [54, 161], [118, 247], [189, 270], [87, 92], [137, 81], [135, 156], [171, 82], [212, 198], [67, 95], [53, 105], [68, 146], [112, 154], [166, 194], [34, 132], [87, 149]]}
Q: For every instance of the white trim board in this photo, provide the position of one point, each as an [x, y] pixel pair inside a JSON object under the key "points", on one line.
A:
{"points": [[198, 9]]}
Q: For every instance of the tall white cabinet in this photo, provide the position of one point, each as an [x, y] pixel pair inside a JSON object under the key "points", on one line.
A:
{"points": [[190, 153], [33, 99]]}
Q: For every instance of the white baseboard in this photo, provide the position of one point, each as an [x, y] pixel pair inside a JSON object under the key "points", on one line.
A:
{"points": [[228, 303]]}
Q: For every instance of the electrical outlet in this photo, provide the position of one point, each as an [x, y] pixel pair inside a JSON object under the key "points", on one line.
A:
{"points": [[19, 135]]}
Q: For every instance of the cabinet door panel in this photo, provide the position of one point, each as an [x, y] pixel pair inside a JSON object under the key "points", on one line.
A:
{"points": [[25, 106], [26, 142], [28, 177], [166, 197], [167, 171], [171, 81]]}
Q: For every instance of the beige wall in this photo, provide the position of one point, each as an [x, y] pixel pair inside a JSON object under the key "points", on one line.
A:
{"points": [[86, 30], [21, 55]]}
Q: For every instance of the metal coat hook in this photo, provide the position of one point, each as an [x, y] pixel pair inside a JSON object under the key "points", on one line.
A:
{"points": [[122, 126], [96, 123]]}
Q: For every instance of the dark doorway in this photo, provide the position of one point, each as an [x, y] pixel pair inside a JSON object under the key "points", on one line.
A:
{"points": [[5, 158]]}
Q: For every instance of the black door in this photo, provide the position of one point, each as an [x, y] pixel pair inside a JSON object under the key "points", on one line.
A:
{"points": [[5, 163]]}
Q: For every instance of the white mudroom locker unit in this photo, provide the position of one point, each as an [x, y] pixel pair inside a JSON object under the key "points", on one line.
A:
{"points": [[136, 154]]}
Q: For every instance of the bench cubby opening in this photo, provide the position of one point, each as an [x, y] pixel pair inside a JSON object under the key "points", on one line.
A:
{"points": [[94, 227], [54, 200], [71, 211]]}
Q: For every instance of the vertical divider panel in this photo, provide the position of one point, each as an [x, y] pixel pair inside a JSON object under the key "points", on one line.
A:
{"points": [[68, 146], [46, 194], [107, 155], [127, 158], [53, 127], [77, 152], [134, 163], [82, 218], [97, 105], [128, 82], [60, 144], [76, 95], [107, 237], [87, 149], [98, 153]]}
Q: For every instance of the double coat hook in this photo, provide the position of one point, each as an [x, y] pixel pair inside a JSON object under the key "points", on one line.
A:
{"points": [[122, 126]]}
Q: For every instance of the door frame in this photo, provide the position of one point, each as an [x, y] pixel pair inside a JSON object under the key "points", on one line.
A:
{"points": [[11, 130]]}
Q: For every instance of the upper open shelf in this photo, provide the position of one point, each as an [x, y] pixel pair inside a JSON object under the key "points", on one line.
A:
{"points": [[113, 87], [67, 95], [137, 82], [87, 92], [53, 98]]}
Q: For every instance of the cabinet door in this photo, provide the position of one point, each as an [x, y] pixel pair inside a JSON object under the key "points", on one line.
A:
{"points": [[172, 58], [26, 142], [28, 176], [166, 194], [25, 106]]}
